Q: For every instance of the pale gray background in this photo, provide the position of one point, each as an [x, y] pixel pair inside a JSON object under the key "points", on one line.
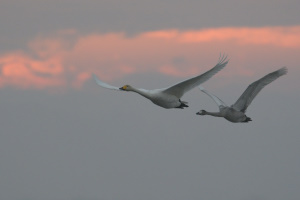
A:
{"points": [[93, 143]]}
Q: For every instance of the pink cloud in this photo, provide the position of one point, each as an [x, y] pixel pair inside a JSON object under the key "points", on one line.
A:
{"points": [[68, 59], [22, 71], [277, 36]]}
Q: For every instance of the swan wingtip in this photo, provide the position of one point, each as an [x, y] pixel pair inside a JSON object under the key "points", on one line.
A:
{"points": [[283, 70]]}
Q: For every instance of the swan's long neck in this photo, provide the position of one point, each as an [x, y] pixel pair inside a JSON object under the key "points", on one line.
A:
{"points": [[215, 114], [143, 92]]}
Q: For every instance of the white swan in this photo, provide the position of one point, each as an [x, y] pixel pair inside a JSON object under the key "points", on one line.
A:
{"points": [[170, 97], [236, 112]]}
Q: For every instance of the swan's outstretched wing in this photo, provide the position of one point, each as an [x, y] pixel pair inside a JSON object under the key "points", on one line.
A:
{"points": [[105, 85], [218, 101], [252, 90], [180, 88]]}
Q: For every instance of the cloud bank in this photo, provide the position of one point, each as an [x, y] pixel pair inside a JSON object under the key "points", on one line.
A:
{"points": [[67, 59]]}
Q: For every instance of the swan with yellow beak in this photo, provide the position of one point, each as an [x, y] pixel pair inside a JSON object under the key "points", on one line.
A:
{"points": [[170, 97]]}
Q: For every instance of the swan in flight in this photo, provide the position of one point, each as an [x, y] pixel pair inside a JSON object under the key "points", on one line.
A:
{"points": [[170, 97], [236, 112]]}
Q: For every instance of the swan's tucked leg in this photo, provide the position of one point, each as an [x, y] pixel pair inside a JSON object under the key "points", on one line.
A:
{"points": [[248, 119], [182, 105]]}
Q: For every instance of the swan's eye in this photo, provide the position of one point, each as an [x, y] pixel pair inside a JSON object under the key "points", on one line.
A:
{"points": [[125, 87]]}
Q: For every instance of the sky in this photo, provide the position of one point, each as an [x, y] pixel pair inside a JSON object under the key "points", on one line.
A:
{"points": [[64, 138]]}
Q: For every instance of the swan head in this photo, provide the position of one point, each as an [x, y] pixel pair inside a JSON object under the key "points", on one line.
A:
{"points": [[126, 88], [201, 112]]}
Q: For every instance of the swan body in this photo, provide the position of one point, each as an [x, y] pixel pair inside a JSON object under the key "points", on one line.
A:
{"points": [[228, 113], [170, 97], [236, 112]]}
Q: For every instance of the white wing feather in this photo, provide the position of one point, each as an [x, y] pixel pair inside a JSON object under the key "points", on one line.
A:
{"points": [[252, 90], [105, 85], [179, 89], [218, 101]]}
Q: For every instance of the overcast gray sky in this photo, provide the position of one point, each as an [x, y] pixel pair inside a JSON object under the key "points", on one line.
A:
{"points": [[64, 138]]}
